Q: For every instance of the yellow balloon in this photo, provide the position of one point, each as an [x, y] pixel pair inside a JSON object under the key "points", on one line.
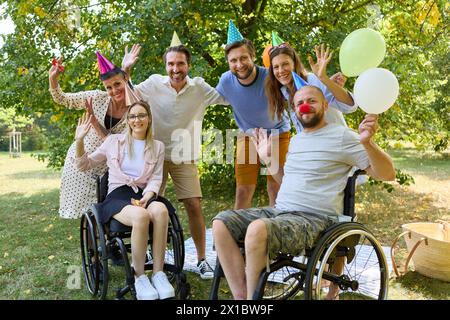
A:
{"points": [[361, 50]]}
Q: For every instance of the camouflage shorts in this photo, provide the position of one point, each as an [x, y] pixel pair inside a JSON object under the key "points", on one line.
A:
{"points": [[287, 231]]}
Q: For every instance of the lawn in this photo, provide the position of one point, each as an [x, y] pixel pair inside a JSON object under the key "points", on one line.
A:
{"points": [[39, 252]]}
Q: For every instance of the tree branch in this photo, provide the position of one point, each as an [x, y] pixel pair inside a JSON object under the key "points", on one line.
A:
{"points": [[317, 21], [425, 19]]}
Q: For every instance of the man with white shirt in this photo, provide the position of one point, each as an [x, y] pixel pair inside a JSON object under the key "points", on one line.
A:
{"points": [[310, 199], [178, 104]]}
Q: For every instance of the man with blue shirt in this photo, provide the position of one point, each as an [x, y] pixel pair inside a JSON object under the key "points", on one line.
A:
{"points": [[243, 87]]}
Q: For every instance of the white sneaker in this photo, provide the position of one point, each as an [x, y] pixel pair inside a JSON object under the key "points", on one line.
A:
{"points": [[144, 289], [163, 286], [204, 269]]}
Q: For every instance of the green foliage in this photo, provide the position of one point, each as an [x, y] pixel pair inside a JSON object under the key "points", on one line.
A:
{"points": [[401, 178], [11, 121], [415, 34]]}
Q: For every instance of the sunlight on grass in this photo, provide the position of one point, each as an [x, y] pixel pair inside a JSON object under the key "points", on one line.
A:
{"points": [[26, 175], [38, 249]]}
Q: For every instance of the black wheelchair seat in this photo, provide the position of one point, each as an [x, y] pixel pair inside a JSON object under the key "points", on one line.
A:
{"points": [[117, 227]]}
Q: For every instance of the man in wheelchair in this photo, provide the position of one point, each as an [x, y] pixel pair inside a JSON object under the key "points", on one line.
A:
{"points": [[135, 162], [319, 161]]}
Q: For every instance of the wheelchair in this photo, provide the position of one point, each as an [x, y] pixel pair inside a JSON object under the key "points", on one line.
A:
{"points": [[100, 243], [347, 244]]}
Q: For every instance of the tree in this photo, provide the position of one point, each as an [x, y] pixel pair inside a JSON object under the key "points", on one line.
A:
{"points": [[415, 34]]}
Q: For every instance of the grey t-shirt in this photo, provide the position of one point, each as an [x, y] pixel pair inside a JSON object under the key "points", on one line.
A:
{"points": [[317, 168]]}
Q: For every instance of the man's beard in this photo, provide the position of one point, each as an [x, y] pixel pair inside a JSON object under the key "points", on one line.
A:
{"points": [[312, 122], [183, 76], [246, 76]]}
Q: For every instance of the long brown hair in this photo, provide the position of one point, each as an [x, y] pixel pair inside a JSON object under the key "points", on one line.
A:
{"points": [[148, 134], [277, 103]]}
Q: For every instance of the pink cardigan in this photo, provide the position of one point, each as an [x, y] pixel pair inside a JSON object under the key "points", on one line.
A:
{"points": [[112, 151]]}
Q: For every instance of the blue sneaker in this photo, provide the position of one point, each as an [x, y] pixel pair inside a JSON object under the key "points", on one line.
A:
{"points": [[204, 269]]}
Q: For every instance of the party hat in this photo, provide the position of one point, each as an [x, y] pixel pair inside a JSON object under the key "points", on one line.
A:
{"points": [[103, 64], [175, 40], [298, 81], [131, 95], [233, 33], [276, 40]]}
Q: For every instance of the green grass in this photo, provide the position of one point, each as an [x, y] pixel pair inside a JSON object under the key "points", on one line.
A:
{"points": [[38, 250]]}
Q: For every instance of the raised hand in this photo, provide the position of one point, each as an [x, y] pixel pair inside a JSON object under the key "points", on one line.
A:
{"points": [[84, 124], [263, 144], [88, 106], [101, 131], [130, 58], [90, 112], [56, 68], [368, 127], [323, 56], [339, 79]]}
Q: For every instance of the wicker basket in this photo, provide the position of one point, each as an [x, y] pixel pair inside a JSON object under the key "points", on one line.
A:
{"points": [[429, 248]]}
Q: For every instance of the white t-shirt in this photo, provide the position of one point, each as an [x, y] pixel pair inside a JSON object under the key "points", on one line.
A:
{"points": [[133, 167], [177, 116], [317, 167]]}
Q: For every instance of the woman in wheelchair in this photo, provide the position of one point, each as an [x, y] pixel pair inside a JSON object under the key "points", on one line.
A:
{"points": [[135, 164]]}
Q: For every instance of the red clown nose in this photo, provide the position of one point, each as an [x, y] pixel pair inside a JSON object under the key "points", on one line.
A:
{"points": [[304, 108]]}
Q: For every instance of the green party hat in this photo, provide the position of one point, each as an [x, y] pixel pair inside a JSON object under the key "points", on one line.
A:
{"points": [[276, 40]]}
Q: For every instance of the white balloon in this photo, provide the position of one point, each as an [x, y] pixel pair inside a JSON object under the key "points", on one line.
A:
{"points": [[376, 90]]}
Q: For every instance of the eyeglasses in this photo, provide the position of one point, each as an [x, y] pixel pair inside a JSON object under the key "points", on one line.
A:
{"points": [[281, 45], [140, 116]]}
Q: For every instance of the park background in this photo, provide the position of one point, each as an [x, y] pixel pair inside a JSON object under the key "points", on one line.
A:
{"points": [[37, 247]]}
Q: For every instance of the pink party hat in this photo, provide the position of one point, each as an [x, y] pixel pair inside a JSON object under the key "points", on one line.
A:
{"points": [[103, 64]]}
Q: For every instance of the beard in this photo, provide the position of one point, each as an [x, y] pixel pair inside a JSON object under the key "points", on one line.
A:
{"points": [[180, 76], [248, 74], [312, 122]]}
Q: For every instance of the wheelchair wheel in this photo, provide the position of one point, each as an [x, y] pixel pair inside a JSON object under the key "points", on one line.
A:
{"points": [[347, 263], [174, 259], [95, 267], [118, 244], [284, 280], [176, 230], [182, 288]]}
